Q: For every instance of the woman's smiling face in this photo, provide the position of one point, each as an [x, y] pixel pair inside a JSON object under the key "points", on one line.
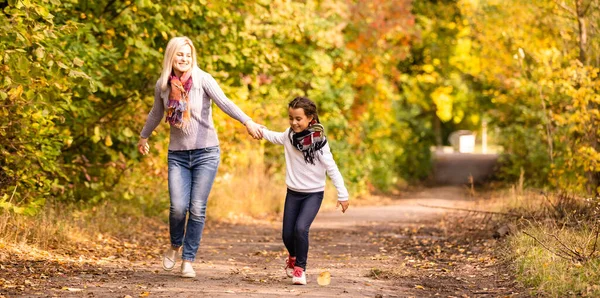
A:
{"points": [[182, 61], [298, 119]]}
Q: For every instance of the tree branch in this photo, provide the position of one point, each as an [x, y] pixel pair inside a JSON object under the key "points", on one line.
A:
{"points": [[595, 242], [569, 251], [546, 247], [584, 12], [565, 7], [472, 210], [108, 5]]}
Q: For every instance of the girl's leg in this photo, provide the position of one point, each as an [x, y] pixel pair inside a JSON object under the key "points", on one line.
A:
{"points": [[205, 163], [308, 211], [180, 182], [293, 201]]}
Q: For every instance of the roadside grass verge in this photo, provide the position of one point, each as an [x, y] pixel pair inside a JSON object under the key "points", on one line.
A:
{"points": [[549, 274], [555, 250]]}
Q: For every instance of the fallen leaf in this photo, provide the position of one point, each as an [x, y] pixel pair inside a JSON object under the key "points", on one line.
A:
{"points": [[324, 278], [145, 294], [420, 287], [72, 289]]}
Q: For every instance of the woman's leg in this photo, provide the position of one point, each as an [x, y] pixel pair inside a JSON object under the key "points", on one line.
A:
{"points": [[180, 182], [308, 211], [291, 210], [205, 163]]}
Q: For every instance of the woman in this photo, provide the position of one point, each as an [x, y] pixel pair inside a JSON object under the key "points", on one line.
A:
{"points": [[184, 93]]}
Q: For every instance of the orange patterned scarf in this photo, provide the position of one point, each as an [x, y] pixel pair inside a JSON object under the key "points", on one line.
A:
{"points": [[178, 109]]}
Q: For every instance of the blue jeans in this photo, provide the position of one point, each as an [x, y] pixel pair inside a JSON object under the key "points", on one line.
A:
{"points": [[298, 214], [191, 176]]}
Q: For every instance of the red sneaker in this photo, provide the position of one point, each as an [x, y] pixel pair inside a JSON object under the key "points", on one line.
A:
{"points": [[289, 266], [299, 276]]}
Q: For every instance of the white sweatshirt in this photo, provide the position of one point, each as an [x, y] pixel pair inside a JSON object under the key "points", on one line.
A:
{"points": [[304, 177]]}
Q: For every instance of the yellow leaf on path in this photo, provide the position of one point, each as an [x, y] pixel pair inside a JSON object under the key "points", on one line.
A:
{"points": [[420, 287], [145, 294], [324, 278], [72, 289]]}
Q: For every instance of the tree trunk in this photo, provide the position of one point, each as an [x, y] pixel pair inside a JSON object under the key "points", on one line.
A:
{"points": [[437, 129], [581, 10]]}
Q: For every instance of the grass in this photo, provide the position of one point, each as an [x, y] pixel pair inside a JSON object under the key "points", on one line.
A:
{"points": [[555, 251], [58, 227], [549, 274]]}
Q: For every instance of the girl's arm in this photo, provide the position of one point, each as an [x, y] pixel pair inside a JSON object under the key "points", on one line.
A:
{"points": [[334, 173], [155, 116], [274, 137]]}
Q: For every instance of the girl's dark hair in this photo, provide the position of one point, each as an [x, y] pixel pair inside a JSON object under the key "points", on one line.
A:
{"points": [[309, 107]]}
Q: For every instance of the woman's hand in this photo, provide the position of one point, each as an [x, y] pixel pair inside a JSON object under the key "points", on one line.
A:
{"points": [[254, 129], [344, 204], [143, 146]]}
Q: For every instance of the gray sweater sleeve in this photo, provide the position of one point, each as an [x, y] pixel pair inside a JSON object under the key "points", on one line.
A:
{"points": [[156, 114], [214, 91]]}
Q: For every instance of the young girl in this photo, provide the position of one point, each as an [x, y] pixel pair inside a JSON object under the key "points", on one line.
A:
{"points": [[307, 157]]}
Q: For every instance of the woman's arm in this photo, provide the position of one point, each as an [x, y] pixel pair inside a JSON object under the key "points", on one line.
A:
{"points": [[334, 173], [214, 91], [155, 116]]}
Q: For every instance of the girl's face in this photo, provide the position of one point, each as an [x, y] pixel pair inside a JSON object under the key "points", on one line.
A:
{"points": [[182, 61], [298, 120]]}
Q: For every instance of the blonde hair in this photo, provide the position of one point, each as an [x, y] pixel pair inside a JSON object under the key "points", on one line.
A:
{"points": [[174, 44]]}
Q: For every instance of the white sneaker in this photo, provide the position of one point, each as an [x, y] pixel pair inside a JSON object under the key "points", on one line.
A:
{"points": [[299, 276], [187, 270], [170, 258]]}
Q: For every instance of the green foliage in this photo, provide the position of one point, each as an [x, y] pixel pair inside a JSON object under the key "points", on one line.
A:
{"points": [[391, 79], [35, 89], [78, 79]]}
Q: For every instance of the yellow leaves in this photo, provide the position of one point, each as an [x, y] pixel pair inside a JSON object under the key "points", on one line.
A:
{"points": [[16, 92], [324, 278], [96, 137], [78, 62], [428, 68], [39, 53], [443, 101], [427, 78], [108, 141]]}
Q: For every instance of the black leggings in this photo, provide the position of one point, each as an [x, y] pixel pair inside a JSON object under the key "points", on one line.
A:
{"points": [[298, 214]]}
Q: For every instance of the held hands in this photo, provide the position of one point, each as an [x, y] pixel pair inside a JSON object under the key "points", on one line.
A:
{"points": [[344, 204], [143, 146], [254, 129]]}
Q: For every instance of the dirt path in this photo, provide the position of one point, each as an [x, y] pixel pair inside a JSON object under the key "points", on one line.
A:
{"points": [[399, 250]]}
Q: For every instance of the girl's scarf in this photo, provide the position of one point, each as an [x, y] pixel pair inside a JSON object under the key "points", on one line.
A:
{"points": [[178, 108], [310, 141]]}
